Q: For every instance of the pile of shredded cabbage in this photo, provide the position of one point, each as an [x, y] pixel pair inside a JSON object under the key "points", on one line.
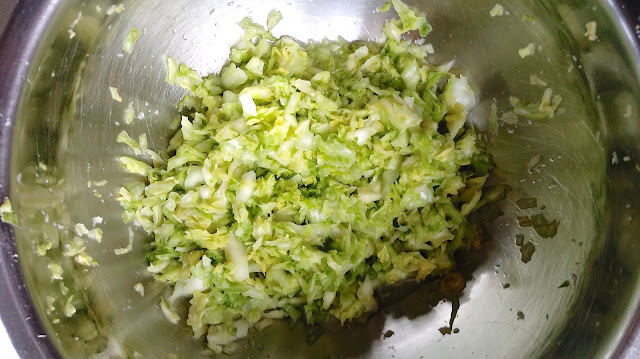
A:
{"points": [[304, 177]]}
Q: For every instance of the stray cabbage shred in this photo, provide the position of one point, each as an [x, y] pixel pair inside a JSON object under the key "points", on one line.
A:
{"points": [[304, 177]]}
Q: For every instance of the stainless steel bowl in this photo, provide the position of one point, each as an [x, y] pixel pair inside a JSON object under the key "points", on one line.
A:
{"points": [[577, 298]]}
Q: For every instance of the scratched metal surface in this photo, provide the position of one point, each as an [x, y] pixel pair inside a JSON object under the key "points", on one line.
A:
{"points": [[587, 318]]}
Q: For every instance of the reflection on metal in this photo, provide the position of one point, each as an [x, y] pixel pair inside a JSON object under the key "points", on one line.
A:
{"points": [[597, 203]]}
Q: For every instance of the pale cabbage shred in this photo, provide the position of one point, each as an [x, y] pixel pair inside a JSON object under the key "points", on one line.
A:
{"points": [[304, 178]]}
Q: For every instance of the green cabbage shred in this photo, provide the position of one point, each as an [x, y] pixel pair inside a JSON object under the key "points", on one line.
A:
{"points": [[304, 177], [6, 212], [130, 39]]}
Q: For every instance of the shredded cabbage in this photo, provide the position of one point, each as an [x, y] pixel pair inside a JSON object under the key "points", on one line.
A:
{"points": [[527, 51], [6, 212], [130, 39], [303, 178], [497, 10], [591, 27], [114, 94], [128, 114]]}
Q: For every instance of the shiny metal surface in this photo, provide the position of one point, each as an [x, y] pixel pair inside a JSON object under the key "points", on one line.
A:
{"points": [[67, 120]]}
